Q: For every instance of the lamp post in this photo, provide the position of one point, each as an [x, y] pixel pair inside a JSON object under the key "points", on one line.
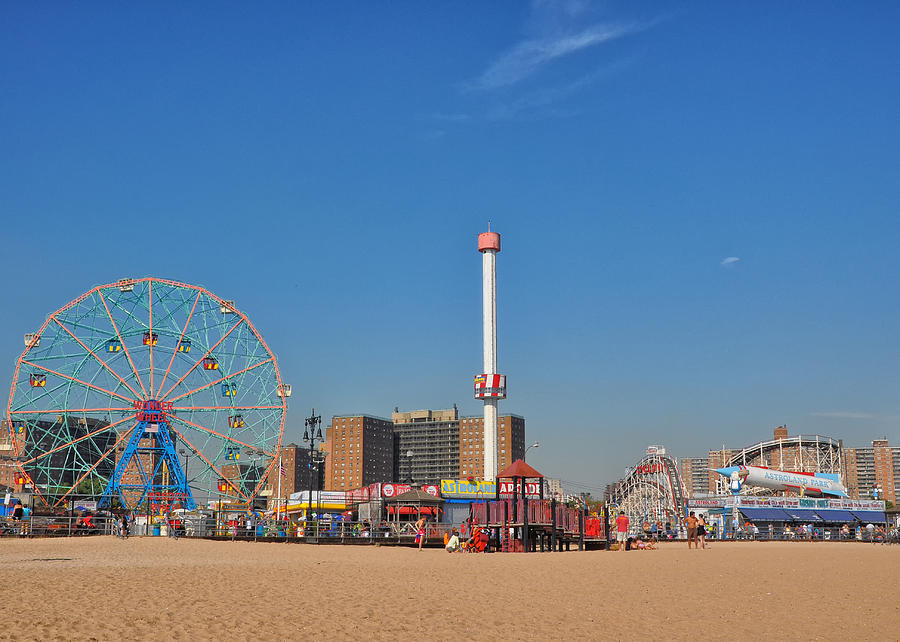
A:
{"points": [[536, 444], [409, 456], [318, 460], [311, 434], [187, 456]]}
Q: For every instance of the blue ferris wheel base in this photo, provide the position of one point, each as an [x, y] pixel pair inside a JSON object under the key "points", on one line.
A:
{"points": [[153, 453]]}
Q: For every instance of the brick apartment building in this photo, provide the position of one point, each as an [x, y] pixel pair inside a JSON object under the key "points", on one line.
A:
{"points": [[364, 449], [360, 451], [871, 467], [299, 472], [510, 443]]}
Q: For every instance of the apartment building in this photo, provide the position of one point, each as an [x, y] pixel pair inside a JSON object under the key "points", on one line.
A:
{"points": [[510, 443], [426, 445], [360, 451], [873, 467], [695, 476]]}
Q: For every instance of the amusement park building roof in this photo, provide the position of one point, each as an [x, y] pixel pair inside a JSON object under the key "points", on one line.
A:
{"points": [[837, 515], [520, 469], [765, 514], [874, 516], [803, 515]]}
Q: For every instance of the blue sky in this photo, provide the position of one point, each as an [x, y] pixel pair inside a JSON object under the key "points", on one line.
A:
{"points": [[698, 203]]}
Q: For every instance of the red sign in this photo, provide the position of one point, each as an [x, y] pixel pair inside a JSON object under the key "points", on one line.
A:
{"points": [[392, 490], [646, 469], [364, 494]]}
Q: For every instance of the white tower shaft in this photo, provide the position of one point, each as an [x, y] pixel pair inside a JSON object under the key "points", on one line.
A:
{"points": [[489, 284]]}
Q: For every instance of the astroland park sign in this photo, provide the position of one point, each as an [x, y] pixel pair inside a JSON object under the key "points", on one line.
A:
{"points": [[787, 502], [484, 489]]}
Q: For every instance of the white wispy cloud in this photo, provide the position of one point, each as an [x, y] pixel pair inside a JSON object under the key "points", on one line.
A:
{"points": [[728, 261], [536, 101], [843, 415], [529, 56]]}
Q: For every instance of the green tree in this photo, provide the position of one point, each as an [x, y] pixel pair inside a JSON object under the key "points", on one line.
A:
{"points": [[92, 485]]}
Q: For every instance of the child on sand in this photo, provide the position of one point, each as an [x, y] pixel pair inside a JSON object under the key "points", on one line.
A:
{"points": [[453, 542]]}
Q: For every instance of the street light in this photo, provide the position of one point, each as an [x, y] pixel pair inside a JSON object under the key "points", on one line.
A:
{"points": [[318, 465], [187, 456], [536, 444], [311, 434], [409, 456]]}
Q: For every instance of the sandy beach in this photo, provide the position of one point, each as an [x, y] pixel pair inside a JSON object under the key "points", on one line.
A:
{"points": [[155, 588]]}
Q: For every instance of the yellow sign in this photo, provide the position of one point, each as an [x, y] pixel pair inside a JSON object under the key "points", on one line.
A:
{"points": [[465, 488]]}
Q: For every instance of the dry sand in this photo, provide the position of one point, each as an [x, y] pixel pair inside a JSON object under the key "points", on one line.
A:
{"points": [[155, 588]]}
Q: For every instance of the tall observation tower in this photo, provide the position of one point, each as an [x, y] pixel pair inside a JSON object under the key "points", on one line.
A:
{"points": [[490, 387]]}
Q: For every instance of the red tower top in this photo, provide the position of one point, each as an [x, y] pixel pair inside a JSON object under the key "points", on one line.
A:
{"points": [[488, 241]]}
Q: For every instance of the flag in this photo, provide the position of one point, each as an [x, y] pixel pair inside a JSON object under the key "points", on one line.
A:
{"points": [[281, 469]]}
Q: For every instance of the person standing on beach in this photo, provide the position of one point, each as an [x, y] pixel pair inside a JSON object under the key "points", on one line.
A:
{"points": [[18, 514], [420, 530], [701, 532], [691, 523], [621, 530]]}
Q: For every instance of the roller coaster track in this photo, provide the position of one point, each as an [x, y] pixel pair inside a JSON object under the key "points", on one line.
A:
{"points": [[652, 490]]}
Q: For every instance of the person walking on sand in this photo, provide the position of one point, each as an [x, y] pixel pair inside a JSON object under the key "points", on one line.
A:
{"points": [[621, 530], [691, 523], [420, 530]]}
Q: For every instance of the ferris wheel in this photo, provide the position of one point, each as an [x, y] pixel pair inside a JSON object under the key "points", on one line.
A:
{"points": [[145, 388]]}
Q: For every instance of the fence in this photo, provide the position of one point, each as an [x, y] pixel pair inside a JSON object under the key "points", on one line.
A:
{"points": [[539, 513], [337, 531]]}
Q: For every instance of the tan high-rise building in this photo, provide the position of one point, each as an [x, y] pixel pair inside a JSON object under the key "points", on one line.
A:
{"points": [[695, 476], [426, 445], [430, 445]]}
